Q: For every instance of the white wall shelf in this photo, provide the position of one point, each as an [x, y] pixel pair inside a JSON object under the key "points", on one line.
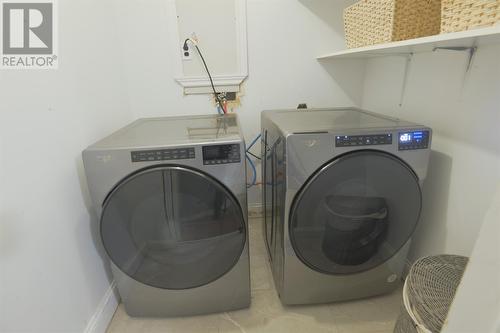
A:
{"points": [[471, 38]]}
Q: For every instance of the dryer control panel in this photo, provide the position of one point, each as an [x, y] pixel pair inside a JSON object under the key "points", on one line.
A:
{"points": [[162, 154], [221, 154], [413, 140], [363, 140]]}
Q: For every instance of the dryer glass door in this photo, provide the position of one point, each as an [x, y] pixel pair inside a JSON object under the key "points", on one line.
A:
{"points": [[355, 213], [173, 228]]}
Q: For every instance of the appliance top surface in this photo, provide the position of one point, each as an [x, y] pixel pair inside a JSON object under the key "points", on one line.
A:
{"points": [[172, 131], [331, 120]]}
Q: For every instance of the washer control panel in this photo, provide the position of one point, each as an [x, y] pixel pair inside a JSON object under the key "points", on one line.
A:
{"points": [[221, 154], [162, 154], [363, 140], [413, 140]]}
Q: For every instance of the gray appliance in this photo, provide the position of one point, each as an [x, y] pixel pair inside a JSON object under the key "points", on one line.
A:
{"points": [[342, 197], [170, 195]]}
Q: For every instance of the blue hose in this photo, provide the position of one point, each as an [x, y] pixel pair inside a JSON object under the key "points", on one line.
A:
{"points": [[254, 178]]}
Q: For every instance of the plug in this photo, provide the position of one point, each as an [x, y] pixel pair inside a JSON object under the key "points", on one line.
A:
{"points": [[186, 51]]}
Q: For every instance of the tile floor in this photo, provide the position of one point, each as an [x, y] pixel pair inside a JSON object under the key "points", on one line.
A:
{"points": [[266, 314]]}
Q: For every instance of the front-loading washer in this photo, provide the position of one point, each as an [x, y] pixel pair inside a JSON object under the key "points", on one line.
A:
{"points": [[342, 197], [170, 196]]}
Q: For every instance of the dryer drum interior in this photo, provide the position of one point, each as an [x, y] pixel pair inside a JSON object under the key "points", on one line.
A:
{"points": [[172, 227], [354, 228], [355, 212]]}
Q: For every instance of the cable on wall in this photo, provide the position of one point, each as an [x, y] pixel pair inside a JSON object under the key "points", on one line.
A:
{"points": [[252, 164], [195, 43]]}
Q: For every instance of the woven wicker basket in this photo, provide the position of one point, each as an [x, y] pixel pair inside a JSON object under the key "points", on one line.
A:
{"points": [[428, 293], [459, 15], [370, 22], [404, 323]]}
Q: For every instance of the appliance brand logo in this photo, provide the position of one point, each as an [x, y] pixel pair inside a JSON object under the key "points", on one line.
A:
{"points": [[28, 34], [104, 158], [311, 143]]}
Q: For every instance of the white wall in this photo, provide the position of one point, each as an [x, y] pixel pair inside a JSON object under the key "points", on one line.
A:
{"points": [[464, 112], [52, 275], [463, 108], [476, 307], [284, 37], [219, 35]]}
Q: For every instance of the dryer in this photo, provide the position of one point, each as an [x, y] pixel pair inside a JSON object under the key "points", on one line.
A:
{"points": [[170, 196], [342, 197]]}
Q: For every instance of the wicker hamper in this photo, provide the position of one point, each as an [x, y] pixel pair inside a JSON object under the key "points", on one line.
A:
{"points": [[369, 22], [428, 293], [459, 15]]}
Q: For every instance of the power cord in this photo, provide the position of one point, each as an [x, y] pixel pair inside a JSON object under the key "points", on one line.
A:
{"points": [[257, 157], [195, 43]]}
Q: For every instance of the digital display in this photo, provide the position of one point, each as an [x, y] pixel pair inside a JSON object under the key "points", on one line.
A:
{"points": [[405, 137], [212, 153], [413, 140], [221, 154]]}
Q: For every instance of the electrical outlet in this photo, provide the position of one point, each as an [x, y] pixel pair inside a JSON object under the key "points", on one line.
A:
{"points": [[186, 54], [228, 96]]}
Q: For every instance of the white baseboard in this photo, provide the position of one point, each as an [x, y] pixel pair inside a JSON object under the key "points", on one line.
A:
{"points": [[104, 312]]}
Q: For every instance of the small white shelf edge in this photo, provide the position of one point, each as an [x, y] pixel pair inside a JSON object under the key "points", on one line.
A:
{"points": [[475, 37]]}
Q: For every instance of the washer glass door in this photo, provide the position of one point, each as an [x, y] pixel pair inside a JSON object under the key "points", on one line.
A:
{"points": [[172, 227], [355, 213]]}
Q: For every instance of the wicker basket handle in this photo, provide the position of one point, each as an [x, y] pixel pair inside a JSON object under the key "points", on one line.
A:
{"points": [[417, 323]]}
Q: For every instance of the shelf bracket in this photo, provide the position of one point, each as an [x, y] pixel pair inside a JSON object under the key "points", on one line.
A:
{"points": [[471, 49], [409, 57]]}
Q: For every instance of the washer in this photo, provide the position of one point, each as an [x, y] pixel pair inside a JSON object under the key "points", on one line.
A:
{"points": [[170, 194], [342, 197]]}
